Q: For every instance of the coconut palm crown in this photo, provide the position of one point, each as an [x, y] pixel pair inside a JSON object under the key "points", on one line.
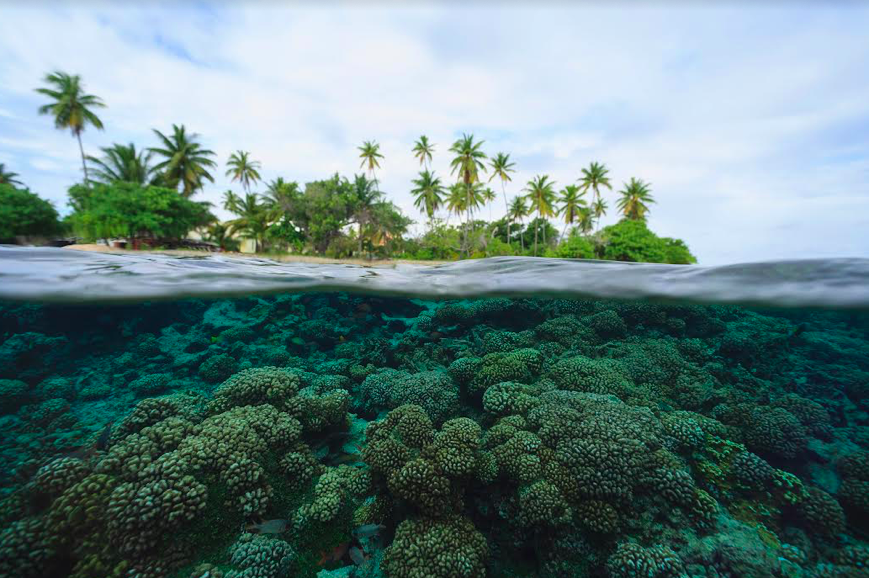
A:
{"points": [[71, 108], [636, 196], [423, 149], [571, 202], [185, 161], [428, 193], [370, 154], [242, 169], [123, 163], [8, 177], [595, 177]]}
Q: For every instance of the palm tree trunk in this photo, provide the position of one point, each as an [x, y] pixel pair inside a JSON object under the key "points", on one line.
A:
{"points": [[506, 204], [564, 230], [467, 216], [360, 238], [84, 166], [536, 228]]}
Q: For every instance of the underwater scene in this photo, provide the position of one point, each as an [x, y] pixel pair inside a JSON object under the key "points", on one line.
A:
{"points": [[336, 434]]}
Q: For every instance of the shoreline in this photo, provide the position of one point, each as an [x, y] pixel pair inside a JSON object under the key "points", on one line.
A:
{"points": [[285, 258]]}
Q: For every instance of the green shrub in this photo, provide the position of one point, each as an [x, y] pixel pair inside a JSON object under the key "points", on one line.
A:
{"points": [[678, 252], [575, 247], [130, 210], [25, 213], [631, 240]]}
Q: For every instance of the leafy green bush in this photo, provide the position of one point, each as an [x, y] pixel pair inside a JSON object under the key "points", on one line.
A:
{"points": [[438, 243], [25, 213], [134, 211], [678, 252], [631, 240], [575, 247]]}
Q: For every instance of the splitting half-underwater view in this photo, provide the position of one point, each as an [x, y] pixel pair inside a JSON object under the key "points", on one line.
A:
{"points": [[434, 289], [355, 434]]}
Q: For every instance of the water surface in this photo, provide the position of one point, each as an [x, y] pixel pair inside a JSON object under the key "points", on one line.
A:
{"points": [[531, 418]]}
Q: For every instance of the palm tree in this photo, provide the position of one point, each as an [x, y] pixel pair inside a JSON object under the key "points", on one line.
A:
{"points": [[501, 167], [123, 163], [488, 196], [221, 235], [468, 163], [541, 196], [231, 201], [457, 199], [571, 202], [8, 177], [186, 162], [253, 217], [599, 208], [518, 210], [71, 108], [243, 169], [428, 192], [366, 195], [585, 221], [422, 149], [635, 200], [281, 194], [594, 177], [369, 152]]}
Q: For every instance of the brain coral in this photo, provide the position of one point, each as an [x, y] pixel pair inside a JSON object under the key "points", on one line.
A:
{"points": [[822, 513], [263, 385], [634, 561], [217, 368], [591, 376], [425, 548], [260, 556], [434, 391]]}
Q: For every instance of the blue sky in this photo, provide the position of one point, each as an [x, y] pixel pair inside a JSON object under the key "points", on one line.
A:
{"points": [[751, 121]]}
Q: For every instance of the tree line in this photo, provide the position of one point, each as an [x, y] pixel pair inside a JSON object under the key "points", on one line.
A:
{"points": [[148, 193]]}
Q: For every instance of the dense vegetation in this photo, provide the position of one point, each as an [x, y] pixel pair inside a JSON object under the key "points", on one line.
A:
{"points": [[24, 213], [145, 194]]}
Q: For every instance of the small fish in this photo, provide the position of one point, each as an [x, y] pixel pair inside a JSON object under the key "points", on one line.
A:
{"points": [[99, 445], [436, 335], [102, 442], [368, 530], [277, 526], [334, 554], [357, 556]]}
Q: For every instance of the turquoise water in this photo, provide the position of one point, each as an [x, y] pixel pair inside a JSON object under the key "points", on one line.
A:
{"points": [[304, 420]]}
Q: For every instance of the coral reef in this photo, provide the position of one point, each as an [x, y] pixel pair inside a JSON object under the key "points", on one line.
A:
{"points": [[300, 434]]}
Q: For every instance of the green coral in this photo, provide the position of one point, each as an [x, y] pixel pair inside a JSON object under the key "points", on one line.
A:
{"points": [[426, 548], [264, 385], [634, 561]]}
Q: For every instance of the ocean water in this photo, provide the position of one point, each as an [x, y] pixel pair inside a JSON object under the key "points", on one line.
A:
{"points": [[212, 417]]}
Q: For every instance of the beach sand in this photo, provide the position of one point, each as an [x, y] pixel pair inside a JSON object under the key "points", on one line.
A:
{"points": [[285, 258]]}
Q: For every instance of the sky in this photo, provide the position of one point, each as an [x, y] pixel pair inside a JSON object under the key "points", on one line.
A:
{"points": [[750, 120]]}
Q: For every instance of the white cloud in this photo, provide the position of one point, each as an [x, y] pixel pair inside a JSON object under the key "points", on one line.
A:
{"points": [[750, 124]]}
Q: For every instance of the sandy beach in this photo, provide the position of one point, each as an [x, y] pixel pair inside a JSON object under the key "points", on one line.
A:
{"points": [[286, 258]]}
